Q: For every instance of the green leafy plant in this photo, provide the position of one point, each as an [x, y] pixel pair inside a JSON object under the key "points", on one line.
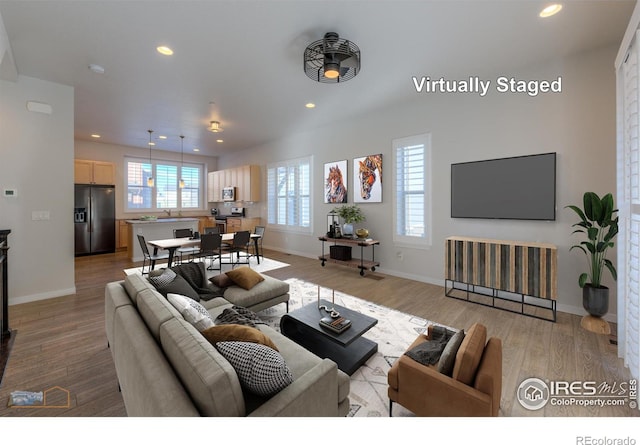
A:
{"points": [[351, 214], [597, 223]]}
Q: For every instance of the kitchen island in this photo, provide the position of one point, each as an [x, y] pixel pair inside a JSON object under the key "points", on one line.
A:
{"points": [[160, 228]]}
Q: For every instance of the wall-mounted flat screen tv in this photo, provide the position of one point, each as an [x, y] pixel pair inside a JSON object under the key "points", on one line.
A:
{"points": [[522, 187]]}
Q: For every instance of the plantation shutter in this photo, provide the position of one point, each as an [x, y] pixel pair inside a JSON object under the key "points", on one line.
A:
{"points": [[412, 191], [190, 194], [289, 194], [628, 198]]}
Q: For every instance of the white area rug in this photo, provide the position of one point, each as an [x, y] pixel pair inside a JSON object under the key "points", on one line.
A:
{"points": [[394, 332], [265, 265]]}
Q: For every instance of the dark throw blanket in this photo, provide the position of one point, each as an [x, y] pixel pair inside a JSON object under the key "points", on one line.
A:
{"points": [[238, 315], [429, 352], [196, 275]]}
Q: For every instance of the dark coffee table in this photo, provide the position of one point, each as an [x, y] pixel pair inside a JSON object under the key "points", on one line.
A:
{"points": [[348, 349]]}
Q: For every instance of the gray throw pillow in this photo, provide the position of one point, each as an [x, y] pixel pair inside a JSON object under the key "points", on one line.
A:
{"points": [[448, 357]]}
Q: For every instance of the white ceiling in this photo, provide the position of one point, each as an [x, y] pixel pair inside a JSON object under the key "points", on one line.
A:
{"points": [[246, 56]]}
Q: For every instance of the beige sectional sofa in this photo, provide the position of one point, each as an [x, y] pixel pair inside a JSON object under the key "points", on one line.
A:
{"points": [[166, 367]]}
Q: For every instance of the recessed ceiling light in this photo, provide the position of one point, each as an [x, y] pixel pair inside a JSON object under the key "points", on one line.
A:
{"points": [[95, 136], [196, 149], [219, 141], [152, 143], [310, 105], [96, 68], [165, 50], [551, 10], [162, 137]]}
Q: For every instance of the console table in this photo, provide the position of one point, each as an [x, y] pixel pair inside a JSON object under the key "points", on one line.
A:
{"points": [[524, 273], [359, 263]]}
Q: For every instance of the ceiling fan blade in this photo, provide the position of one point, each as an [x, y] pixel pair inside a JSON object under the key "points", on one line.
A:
{"points": [[350, 62]]}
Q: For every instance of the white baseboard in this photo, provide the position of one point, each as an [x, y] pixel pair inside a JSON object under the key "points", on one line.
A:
{"points": [[569, 309], [43, 296]]}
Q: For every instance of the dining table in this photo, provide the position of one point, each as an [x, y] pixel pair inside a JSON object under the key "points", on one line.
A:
{"points": [[173, 244]]}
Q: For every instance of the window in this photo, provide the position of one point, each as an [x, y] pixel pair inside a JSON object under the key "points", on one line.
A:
{"points": [[166, 193], [412, 193], [289, 195], [628, 197]]}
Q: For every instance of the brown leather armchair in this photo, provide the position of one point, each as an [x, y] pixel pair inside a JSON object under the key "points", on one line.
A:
{"points": [[474, 389]]}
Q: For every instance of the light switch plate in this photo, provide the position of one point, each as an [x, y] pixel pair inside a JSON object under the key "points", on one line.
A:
{"points": [[10, 193]]}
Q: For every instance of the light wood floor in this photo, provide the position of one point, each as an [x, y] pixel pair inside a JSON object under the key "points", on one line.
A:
{"points": [[61, 341]]}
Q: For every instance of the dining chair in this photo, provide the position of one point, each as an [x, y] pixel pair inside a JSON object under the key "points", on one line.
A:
{"points": [[182, 251], [239, 245], [148, 256], [211, 247], [259, 230]]}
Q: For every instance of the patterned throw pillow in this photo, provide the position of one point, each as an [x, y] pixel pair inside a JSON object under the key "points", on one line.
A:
{"points": [[260, 369], [192, 311], [161, 277]]}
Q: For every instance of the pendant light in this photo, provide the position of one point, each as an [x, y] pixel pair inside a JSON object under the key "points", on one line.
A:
{"points": [[150, 180], [181, 183]]}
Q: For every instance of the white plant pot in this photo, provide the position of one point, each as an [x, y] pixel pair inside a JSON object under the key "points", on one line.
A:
{"points": [[347, 229]]}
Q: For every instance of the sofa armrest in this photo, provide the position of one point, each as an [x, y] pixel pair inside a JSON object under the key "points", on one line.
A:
{"points": [[313, 394], [427, 392]]}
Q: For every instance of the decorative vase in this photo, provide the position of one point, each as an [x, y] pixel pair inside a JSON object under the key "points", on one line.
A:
{"points": [[362, 233], [347, 229], [595, 300]]}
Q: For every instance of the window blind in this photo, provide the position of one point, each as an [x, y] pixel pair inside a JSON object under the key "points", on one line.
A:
{"points": [[412, 194], [166, 193], [628, 197], [289, 194]]}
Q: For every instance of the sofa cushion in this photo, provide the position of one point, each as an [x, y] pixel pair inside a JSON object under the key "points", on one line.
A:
{"points": [[448, 357], [134, 284], [155, 310], [206, 375], [237, 332], [263, 291], [260, 369], [245, 277], [469, 354], [192, 311]]}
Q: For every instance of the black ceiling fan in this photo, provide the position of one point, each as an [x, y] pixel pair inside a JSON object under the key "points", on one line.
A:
{"points": [[332, 59]]}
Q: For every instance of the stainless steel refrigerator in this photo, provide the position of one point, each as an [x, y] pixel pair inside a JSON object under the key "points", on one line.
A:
{"points": [[94, 219]]}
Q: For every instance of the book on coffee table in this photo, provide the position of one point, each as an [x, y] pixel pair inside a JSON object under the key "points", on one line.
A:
{"points": [[336, 325]]}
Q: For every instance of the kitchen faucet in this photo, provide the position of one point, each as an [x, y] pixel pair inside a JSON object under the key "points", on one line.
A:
{"points": [[168, 212]]}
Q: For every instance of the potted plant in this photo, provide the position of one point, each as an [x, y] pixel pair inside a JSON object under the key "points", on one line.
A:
{"points": [[350, 214], [598, 224]]}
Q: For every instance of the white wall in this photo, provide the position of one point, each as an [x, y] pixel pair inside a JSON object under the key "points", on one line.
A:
{"points": [[36, 159], [578, 124], [98, 151]]}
